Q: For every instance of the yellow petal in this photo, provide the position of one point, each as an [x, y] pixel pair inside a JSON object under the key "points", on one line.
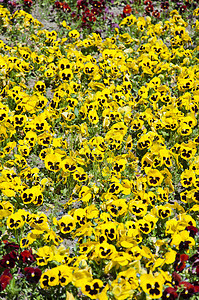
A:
{"points": [[69, 296]]}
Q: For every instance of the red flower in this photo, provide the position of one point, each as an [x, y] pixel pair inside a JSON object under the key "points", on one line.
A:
{"points": [[32, 274], [97, 4], [57, 4], [94, 4], [188, 289], [101, 4], [26, 256], [8, 260], [192, 230], [147, 2], [183, 8], [156, 14], [149, 9], [169, 293], [81, 4], [180, 262], [5, 279], [88, 16], [164, 5], [95, 11], [28, 3], [127, 9], [196, 286], [176, 278], [73, 15], [92, 17], [66, 7], [10, 246]]}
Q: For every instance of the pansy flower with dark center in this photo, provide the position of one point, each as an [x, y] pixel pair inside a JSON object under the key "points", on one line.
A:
{"points": [[40, 86], [28, 3], [69, 165], [90, 68], [165, 5], [19, 120], [44, 281], [65, 275], [180, 262], [66, 75], [30, 138], [154, 177], [8, 260], [93, 288], [145, 226], [109, 230], [27, 196], [170, 293], [138, 208], [53, 162], [119, 166], [156, 14], [44, 254], [127, 9], [66, 224], [80, 216], [187, 151], [25, 242], [182, 9], [81, 4], [50, 278], [163, 211], [135, 253], [15, 221], [152, 285], [26, 256], [182, 240], [32, 274], [188, 289], [80, 175], [149, 9], [115, 188], [117, 207]]}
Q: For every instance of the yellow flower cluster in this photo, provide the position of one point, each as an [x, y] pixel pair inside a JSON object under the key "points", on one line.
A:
{"points": [[99, 152]]}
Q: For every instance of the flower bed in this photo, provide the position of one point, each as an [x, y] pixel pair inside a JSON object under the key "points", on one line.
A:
{"points": [[99, 160]]}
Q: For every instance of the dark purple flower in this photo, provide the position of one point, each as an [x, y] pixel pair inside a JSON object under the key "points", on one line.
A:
{"points": [[165, 5], [8, 260], [184, 245], [10, 246], [169, 293], [188, 289], [32, 274], [192, 230]]}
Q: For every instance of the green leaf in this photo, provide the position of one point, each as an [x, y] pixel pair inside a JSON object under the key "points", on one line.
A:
{"points": [[76, 112]]}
